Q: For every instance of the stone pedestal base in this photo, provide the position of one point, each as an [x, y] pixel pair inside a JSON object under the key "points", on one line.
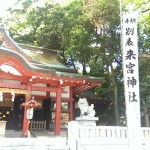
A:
{"points": [[87, 121]]}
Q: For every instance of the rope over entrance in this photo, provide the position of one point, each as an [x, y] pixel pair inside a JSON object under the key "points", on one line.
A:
{"points": [[16, 91]]}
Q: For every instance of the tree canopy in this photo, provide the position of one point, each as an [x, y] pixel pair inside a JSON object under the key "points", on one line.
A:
{"points": [[87, 32]]}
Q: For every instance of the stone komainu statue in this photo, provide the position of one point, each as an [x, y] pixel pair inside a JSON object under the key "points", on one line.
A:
{"points": [[85, 109]]}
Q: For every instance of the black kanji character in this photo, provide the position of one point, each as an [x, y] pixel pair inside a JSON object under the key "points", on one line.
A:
{"points": [[129, 42], [130, 55], [130, 68], [129, 31], [133, 20], [131, 82], [132, 97], [127, 20]]}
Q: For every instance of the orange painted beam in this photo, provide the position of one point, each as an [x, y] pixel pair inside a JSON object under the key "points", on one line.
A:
{"points": [[46, 89], [9, 76], [38, 97], [13, 86]]}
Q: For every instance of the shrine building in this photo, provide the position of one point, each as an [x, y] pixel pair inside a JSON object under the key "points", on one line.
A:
{"points": [[29, 74]]}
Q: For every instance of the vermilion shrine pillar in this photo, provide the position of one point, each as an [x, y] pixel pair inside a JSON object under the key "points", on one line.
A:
{"points": [[71, 105], [25, 120], [58, 111]]}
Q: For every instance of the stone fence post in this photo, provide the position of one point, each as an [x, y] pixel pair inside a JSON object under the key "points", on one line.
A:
{"points": [[73, 133], [2, 128]]}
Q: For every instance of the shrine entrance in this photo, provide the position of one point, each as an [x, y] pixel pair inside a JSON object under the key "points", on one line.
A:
{"points": [[12, 112]]}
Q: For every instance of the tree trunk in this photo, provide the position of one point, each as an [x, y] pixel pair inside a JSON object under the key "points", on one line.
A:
{"points": [[116, 106], [146, 117], [84, 69], [115, 98]]}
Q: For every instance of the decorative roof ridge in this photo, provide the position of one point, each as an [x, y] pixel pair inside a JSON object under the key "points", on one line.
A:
{"points": [[40, 49], [30, 47], [10, 42], [28, 65]]}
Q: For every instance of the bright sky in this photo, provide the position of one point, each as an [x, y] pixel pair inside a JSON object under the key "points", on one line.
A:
{"points": [[5, 4]]}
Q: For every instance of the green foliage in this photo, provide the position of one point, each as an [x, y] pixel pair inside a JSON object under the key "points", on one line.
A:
{"points": [[144, 74], [89, 33]]}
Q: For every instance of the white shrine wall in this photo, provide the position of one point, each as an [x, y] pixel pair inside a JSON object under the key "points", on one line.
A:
{"points": [[63, 95], [39, 93], [10, 81]]}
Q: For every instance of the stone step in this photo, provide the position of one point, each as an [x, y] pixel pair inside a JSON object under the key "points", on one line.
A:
{"points": [[34, 148], [33, 144]]}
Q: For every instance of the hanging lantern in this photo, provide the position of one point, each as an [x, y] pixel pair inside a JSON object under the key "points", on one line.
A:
{"points": [[32, 103], [29, 113]]}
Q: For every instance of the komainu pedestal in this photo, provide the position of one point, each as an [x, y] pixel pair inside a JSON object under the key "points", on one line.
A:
{"points": [[87, 121]]}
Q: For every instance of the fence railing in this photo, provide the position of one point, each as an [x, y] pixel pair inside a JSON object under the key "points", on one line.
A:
{"points": [[104, 137], [37, 125], [146, 132], [102, 132], [108, 132]]}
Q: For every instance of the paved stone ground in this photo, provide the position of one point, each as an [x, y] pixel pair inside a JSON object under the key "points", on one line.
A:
{"points": [[39, 140], [47, 134], [13, 134], [33, 134]]}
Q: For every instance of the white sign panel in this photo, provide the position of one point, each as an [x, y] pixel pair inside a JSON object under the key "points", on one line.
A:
{"points": [[30, 113], [131, 77]]}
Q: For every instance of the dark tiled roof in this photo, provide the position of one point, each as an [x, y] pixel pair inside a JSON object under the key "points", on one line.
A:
{"points": [[46, 58], [39, 58]]}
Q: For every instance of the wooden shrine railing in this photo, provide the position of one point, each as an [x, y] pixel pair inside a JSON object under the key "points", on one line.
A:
{"points": [[41, 126], [52, 125], [63, 126], [37, 125]]}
